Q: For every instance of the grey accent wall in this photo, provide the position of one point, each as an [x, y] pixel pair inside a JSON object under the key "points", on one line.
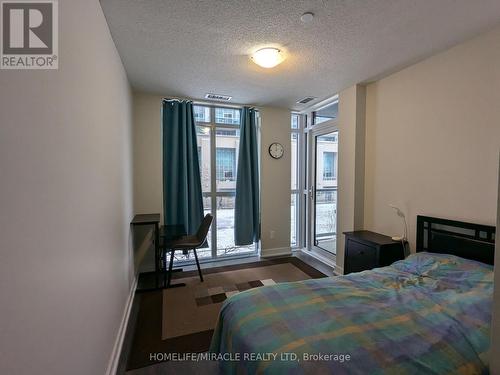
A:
{"points": [[66, 203]]}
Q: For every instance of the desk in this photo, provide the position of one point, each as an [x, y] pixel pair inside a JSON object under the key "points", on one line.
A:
{"points": [[161, 235], [171, 232], [154, 220]]}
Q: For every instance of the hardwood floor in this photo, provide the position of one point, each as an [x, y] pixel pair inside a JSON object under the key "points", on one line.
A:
{"points": [[312, 261], [174, 368], [192, 367]]}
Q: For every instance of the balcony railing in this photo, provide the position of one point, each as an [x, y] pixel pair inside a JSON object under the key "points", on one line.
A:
{"points": [[326, 213]]}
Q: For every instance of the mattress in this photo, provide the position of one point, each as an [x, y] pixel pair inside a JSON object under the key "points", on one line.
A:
{"points": [[427, 314]]}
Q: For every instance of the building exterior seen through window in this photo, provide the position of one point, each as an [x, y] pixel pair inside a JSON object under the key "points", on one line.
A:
{"points": [[227, 116], [327, 113], [325, 180], [226, 164], [218, 138], [201, 114], [329, 166], [325, 221]]}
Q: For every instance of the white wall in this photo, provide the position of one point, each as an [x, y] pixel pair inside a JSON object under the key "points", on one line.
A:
{"points": [[275, 182], [432, 139], [351, 164], [148, 173], [66, 203], [275, 174], [495, 324]]}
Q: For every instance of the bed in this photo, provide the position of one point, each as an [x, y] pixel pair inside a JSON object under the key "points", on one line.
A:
{"points": [[429, 314]]}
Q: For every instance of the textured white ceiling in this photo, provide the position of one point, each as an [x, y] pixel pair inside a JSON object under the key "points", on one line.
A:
{"points": [[192, 47]]}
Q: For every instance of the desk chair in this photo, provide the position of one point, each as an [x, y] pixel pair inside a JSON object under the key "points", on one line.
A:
{"points": [[187, 243]]}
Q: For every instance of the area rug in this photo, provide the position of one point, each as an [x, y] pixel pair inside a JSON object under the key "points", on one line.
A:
{"points": [[182, 320]]}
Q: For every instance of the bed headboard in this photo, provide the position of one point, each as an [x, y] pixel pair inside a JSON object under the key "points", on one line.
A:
{"points": [[466, 240]]}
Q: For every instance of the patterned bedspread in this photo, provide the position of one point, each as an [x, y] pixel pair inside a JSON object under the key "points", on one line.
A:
{"points": [[427, 314]]}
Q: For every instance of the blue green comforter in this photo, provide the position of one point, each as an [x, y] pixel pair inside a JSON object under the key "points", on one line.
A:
{"points": [[428, 314]]}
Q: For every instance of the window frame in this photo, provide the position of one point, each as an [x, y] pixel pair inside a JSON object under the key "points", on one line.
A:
{"points": [[311, 131], [315, 116], [213, 193], [299, 189]]}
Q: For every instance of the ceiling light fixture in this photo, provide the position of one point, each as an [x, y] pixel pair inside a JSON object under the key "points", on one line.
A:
{"points": [[268, 57]]}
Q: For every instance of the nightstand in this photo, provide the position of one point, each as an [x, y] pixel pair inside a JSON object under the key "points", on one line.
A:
{"points": [[365, 250]]}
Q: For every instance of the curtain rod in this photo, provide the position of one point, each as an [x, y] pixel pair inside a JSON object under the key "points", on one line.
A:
{"points": [[208, 104], [176, 100]]}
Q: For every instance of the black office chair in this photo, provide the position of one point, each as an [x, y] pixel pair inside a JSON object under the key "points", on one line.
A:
{"points": [[187, 243]]}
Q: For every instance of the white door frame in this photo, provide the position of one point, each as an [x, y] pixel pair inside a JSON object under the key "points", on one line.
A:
{"points": [[313, 132]]}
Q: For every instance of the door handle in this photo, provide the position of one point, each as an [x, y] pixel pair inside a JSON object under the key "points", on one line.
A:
{"points": [[311, 192]]}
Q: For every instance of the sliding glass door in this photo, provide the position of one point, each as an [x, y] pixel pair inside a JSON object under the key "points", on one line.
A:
{"points": [[218, 137], [322, 181], [324, 197]]}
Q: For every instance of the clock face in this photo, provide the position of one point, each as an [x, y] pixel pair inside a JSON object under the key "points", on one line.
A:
{"points": [[276, 150]]}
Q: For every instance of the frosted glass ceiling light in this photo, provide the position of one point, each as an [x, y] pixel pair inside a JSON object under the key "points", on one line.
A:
{"points": [[268, 57]]}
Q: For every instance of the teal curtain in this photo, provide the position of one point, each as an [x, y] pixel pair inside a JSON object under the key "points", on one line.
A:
{"points": [[247, 201], [182, 199]]}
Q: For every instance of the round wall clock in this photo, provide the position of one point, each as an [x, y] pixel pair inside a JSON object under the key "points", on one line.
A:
{"points": [[276, 150]]}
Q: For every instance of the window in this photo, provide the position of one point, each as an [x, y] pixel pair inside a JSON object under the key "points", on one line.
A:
{"points": [[293, 220], [229, 133], [218, 137], [329, 166], [203, 141], [294, 157], [295, 121], [324, 205], [327, 113], [332, 138], [201, 114], [226, 164], [294, 202], [227, 116]]}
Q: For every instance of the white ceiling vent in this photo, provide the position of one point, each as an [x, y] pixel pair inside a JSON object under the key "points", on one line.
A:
{"points": [[306, 100], [221, 98]]}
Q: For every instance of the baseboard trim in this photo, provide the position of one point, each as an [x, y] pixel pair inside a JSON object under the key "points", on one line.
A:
{"points": [[278, 251], [336, 268], [339, 270], [117, 347]]}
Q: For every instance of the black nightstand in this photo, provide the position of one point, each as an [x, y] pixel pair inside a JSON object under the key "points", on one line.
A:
{"points": [[365, 250]]}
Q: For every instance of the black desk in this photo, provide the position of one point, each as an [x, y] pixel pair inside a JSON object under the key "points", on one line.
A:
{"points": [[163, 234], [171, 232], [151, 219]]}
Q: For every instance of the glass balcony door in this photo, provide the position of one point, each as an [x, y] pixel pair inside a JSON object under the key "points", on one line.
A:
{"points": [[325, 192], [323, 185]]}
